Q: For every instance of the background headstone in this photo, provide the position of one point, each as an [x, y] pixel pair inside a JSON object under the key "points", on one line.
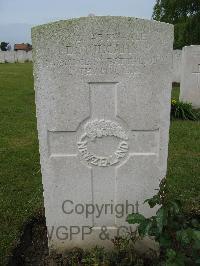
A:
{"points": [[29, 56], [21, 56], [2, 57], [10, 56], [177, 56], [190, 78], [103, 109]]}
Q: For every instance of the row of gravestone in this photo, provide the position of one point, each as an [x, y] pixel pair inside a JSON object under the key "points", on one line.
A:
{"points": [[15, 56], [186, 71]]}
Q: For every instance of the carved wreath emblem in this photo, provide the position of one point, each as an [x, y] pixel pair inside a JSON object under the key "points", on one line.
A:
{"points": [[98, 129]]}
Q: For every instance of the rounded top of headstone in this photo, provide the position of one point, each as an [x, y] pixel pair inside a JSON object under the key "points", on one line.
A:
{"points": [[191, 47], [98, 19]]}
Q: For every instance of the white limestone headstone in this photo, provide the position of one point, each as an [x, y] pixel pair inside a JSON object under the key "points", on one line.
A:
{"points": [[177, 65], [10, 57], [21, 56], [2, 57], [103, 109], [29, 56], [190, 78]]}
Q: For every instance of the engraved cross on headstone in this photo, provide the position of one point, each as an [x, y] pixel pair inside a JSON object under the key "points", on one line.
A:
{"points": [[103, 107]]}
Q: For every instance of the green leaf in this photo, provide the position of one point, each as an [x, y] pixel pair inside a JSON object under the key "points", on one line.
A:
{"points": [[175, 258], [144, 227], [161, 219], [175, 207], [197, 261], [153, 201], [165, 241], [196, 245], [148, 227], [183, 237], [135, 218], [196, 234], [195, 223], [196, 239], [171, 254], [153, 231]]}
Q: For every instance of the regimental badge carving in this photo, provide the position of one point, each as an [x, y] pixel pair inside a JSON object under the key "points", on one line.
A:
{"points": [[99, 129]]}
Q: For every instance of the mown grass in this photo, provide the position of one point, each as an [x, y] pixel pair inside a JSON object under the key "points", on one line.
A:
{"points": [[20, 178], [176, 92], [184, 163]]}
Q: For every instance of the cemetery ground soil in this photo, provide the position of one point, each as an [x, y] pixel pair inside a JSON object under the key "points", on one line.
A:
{"points": [[20, 178]]}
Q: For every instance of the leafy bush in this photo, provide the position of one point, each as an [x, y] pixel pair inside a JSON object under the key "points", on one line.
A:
{"points": [[182, 110], [177, 234]]}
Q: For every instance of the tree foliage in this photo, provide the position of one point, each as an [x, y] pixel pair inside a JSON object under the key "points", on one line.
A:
{"points": [[185, 15], [3, 46]]}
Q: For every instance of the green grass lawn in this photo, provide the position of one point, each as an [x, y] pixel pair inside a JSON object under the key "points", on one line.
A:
{"points": [[20, 178], [175, 92]]}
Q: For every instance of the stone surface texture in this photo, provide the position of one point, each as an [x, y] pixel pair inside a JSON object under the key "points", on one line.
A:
{"points": [[190, 78], [177, 56], [103, 88]]}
